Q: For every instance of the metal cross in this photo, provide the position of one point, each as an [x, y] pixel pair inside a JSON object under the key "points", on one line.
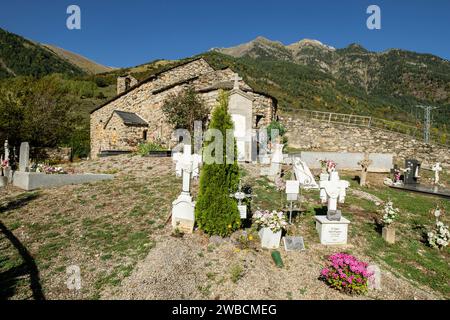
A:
{"points": [[240, 195]]}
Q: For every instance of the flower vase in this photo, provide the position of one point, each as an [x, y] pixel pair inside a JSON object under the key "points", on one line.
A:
{"points": [[388, 234], [269, 239]]}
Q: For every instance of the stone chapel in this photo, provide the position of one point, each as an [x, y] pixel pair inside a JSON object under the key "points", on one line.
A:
{"points": [[135, 116]]}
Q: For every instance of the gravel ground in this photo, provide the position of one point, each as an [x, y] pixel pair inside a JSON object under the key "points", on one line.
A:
{"points": [[194, 267]]}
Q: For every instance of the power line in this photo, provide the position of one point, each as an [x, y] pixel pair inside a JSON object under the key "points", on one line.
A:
{"points": [[427, 121]]}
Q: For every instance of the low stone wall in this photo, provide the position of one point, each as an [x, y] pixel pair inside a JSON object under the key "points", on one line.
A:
{"points": [[314, 135]]}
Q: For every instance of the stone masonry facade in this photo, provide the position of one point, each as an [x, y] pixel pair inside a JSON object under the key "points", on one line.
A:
{"points": [[145, 99], [314, 135]]}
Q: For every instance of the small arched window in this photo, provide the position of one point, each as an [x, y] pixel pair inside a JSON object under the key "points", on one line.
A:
{"points": [[144, 135], [127, 84]]}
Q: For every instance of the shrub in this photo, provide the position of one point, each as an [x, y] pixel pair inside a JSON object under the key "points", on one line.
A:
{"points": [[275, 125], [215, 212], [145, 148], [345, 273], [184, 109]]}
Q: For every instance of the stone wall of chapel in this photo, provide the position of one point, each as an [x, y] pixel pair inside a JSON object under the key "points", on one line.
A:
{"points": [[148, 105], [119, 136], [140, 101]]}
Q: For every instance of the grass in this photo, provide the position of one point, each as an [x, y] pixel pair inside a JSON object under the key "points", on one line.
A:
{"points": [[104, 228], [236, 273], [410, 256]]}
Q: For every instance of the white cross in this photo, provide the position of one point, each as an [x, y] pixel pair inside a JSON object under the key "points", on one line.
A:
{"points": [[335, 190], [6, 150], [236, 79], [436, 168], [186, 164]]}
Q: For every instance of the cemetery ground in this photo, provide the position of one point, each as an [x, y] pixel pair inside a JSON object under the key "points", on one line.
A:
{"points": [[119, 234]]}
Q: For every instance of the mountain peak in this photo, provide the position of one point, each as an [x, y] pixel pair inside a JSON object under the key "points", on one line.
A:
{"points": [[309, 43]]}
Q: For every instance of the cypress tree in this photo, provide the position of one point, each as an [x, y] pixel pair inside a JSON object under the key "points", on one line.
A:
{"points": [[215, 212]]}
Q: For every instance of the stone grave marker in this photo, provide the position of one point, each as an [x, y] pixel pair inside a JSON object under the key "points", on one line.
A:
{"points": [[292, 243], [24, 157], [183, 207]]}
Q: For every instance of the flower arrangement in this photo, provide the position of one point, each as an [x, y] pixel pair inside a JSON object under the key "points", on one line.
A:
{"points": [[346, 273], [49, 169], [280, 184], [439, 237], [274, 220], [390, 213], [327, 165], [4, 164]]}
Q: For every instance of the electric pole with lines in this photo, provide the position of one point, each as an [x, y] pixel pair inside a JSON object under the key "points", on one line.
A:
{"points": [[427, 122]]}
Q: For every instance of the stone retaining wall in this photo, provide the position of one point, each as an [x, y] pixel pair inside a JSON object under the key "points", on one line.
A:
{"points": [[314, 135]]}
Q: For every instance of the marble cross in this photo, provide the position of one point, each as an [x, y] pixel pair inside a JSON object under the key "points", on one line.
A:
{"points": [[186, 164], [436, 168], [239, 196], [334, 190], [236, 79]]}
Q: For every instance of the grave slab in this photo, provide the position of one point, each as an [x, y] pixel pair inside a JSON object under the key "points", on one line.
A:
{"points": [[33, 180]]}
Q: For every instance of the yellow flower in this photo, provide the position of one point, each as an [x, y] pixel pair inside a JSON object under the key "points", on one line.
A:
{"points": [[250, 237], [229, 226]]}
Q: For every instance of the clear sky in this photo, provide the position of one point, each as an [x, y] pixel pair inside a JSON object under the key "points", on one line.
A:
{"points": [[127, 33]]}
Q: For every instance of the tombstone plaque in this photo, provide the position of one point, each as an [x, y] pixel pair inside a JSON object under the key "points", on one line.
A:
{"points": [[293, 243]]}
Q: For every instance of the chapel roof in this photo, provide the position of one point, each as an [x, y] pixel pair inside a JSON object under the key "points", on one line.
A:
{"points": [[227, 85], [131, 118]]}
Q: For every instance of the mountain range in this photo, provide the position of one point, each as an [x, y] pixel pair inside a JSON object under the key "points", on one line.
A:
{"points": [[307, 74], [395, 72]]}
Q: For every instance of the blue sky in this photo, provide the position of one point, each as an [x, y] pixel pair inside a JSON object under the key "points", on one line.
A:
{"points": [[128, 33]]}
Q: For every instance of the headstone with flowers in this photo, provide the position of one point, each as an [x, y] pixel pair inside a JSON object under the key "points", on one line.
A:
{"points": [[270, 226], [390, 214]]}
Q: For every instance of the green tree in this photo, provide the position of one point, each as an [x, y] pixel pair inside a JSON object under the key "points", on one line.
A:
{"points": [[215, 212], [184, 108]]}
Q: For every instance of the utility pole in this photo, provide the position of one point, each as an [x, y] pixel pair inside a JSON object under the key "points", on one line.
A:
{"points": [[427, 122]]}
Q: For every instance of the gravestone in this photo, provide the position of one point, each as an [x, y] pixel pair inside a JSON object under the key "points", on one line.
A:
{"points": [[365, 163], [303, 174], [411, 171], [332, 232], [183, 207], [24, 157], [293, 243], [239, 196], [374, 280], [240, 107], [292, 191], [276, 160], [436, 168], [335, 190]]}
